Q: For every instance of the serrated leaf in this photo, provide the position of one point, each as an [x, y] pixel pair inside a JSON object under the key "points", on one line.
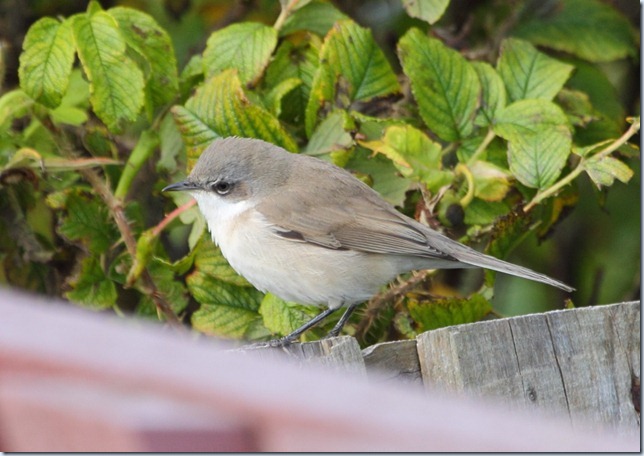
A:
{"points": [[87, 221], [223, 321], [116, 83], [46, 61], [528, 73], [143, 34], [281, 317], [353, 68], [331, 135], [536, 160], [483, 213], [439, 313], [539, 140], [275, 96], [589, 29], [91, 286], [444, 85], [246, 47], [507, 233], [525, 117], [604, 170], [174, 291], [219, 108], [317, 17], [228, 303], [13, 104], [427, 10], [414, 155], [491, 183], [493, 94], [577, 106], [299, 60], [386, 178]]}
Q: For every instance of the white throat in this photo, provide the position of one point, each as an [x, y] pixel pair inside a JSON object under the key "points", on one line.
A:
{"points": [[222, 215]]}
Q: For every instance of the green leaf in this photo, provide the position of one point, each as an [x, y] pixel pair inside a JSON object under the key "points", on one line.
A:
{"points": [[172, 290], [589, 29], [385, 176], [493, 91], [508, 232], [91, 287], [491, 183], [526, 117], [246, 47], [228, 303], [219, 108], [317, 17], [281, 317], [539, 140], [276, 95], [427, 10], [439, 313], [536, 160], [116, 83], [87, 221], [46, 62], [528, 73], [604, 170], [13, 104], [414, 155], [331, 135], [577, 106], [444, 84], [353, 68], [483, 213], [298, 60], [142, 33]]}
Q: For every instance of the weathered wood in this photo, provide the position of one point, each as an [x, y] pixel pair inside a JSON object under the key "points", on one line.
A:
{"points": [[582, 362], [340, 353], [394, 361]]}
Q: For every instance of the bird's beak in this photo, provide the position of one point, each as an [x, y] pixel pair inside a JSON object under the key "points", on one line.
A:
{"points": [[181, 187]]}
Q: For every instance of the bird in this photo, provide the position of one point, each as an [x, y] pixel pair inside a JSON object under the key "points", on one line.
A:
{"points": [[309, 231]]}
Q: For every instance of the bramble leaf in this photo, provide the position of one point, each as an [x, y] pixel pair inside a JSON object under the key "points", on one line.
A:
{"points": [[427, 10], [116, 82], [246, 47], [528, 73], [442, 312], [46, 62], [589, 29], [444, 84], [353, 68]]}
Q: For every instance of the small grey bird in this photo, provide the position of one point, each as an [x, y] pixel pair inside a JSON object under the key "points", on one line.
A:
{"points": [[310, 232]]}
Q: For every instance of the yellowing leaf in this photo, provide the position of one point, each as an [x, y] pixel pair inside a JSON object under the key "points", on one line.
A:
{"points": [[46, 63]]}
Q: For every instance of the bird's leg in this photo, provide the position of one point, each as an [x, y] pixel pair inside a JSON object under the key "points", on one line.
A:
{"points": [[290, 338], [343, 319]]}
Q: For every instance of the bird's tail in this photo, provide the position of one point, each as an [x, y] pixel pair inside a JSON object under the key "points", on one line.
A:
{"points": [[475, 258]]}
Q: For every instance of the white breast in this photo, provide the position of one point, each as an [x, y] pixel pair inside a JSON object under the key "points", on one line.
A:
{"points": [[294, 271]]}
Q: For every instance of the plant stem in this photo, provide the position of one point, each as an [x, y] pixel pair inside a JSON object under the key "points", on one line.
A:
{"points": [[612, 147], [139, 155], [481, 148], [284, 14]]}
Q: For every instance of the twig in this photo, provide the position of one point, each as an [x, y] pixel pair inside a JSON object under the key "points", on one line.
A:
{"points": [[379, 301], [540, 196]]}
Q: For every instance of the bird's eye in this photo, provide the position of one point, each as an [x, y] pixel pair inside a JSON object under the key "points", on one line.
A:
{"points": [[221, 187]]}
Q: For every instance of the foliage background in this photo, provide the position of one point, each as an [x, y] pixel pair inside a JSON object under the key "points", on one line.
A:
{"points": [[59, 217]]}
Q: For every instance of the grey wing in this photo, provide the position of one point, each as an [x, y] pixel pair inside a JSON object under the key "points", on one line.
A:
{"points": [[362, 222]]}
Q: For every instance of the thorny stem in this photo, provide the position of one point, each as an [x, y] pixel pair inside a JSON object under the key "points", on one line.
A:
{"points": [[171, 216], [115, 207], [381, 300], [540, 196]]}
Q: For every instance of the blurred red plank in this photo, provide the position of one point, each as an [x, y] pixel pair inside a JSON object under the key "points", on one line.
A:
{"points": [[78, 374]]}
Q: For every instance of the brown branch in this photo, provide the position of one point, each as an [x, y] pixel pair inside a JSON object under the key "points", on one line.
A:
{"points": [[379, 301]]}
